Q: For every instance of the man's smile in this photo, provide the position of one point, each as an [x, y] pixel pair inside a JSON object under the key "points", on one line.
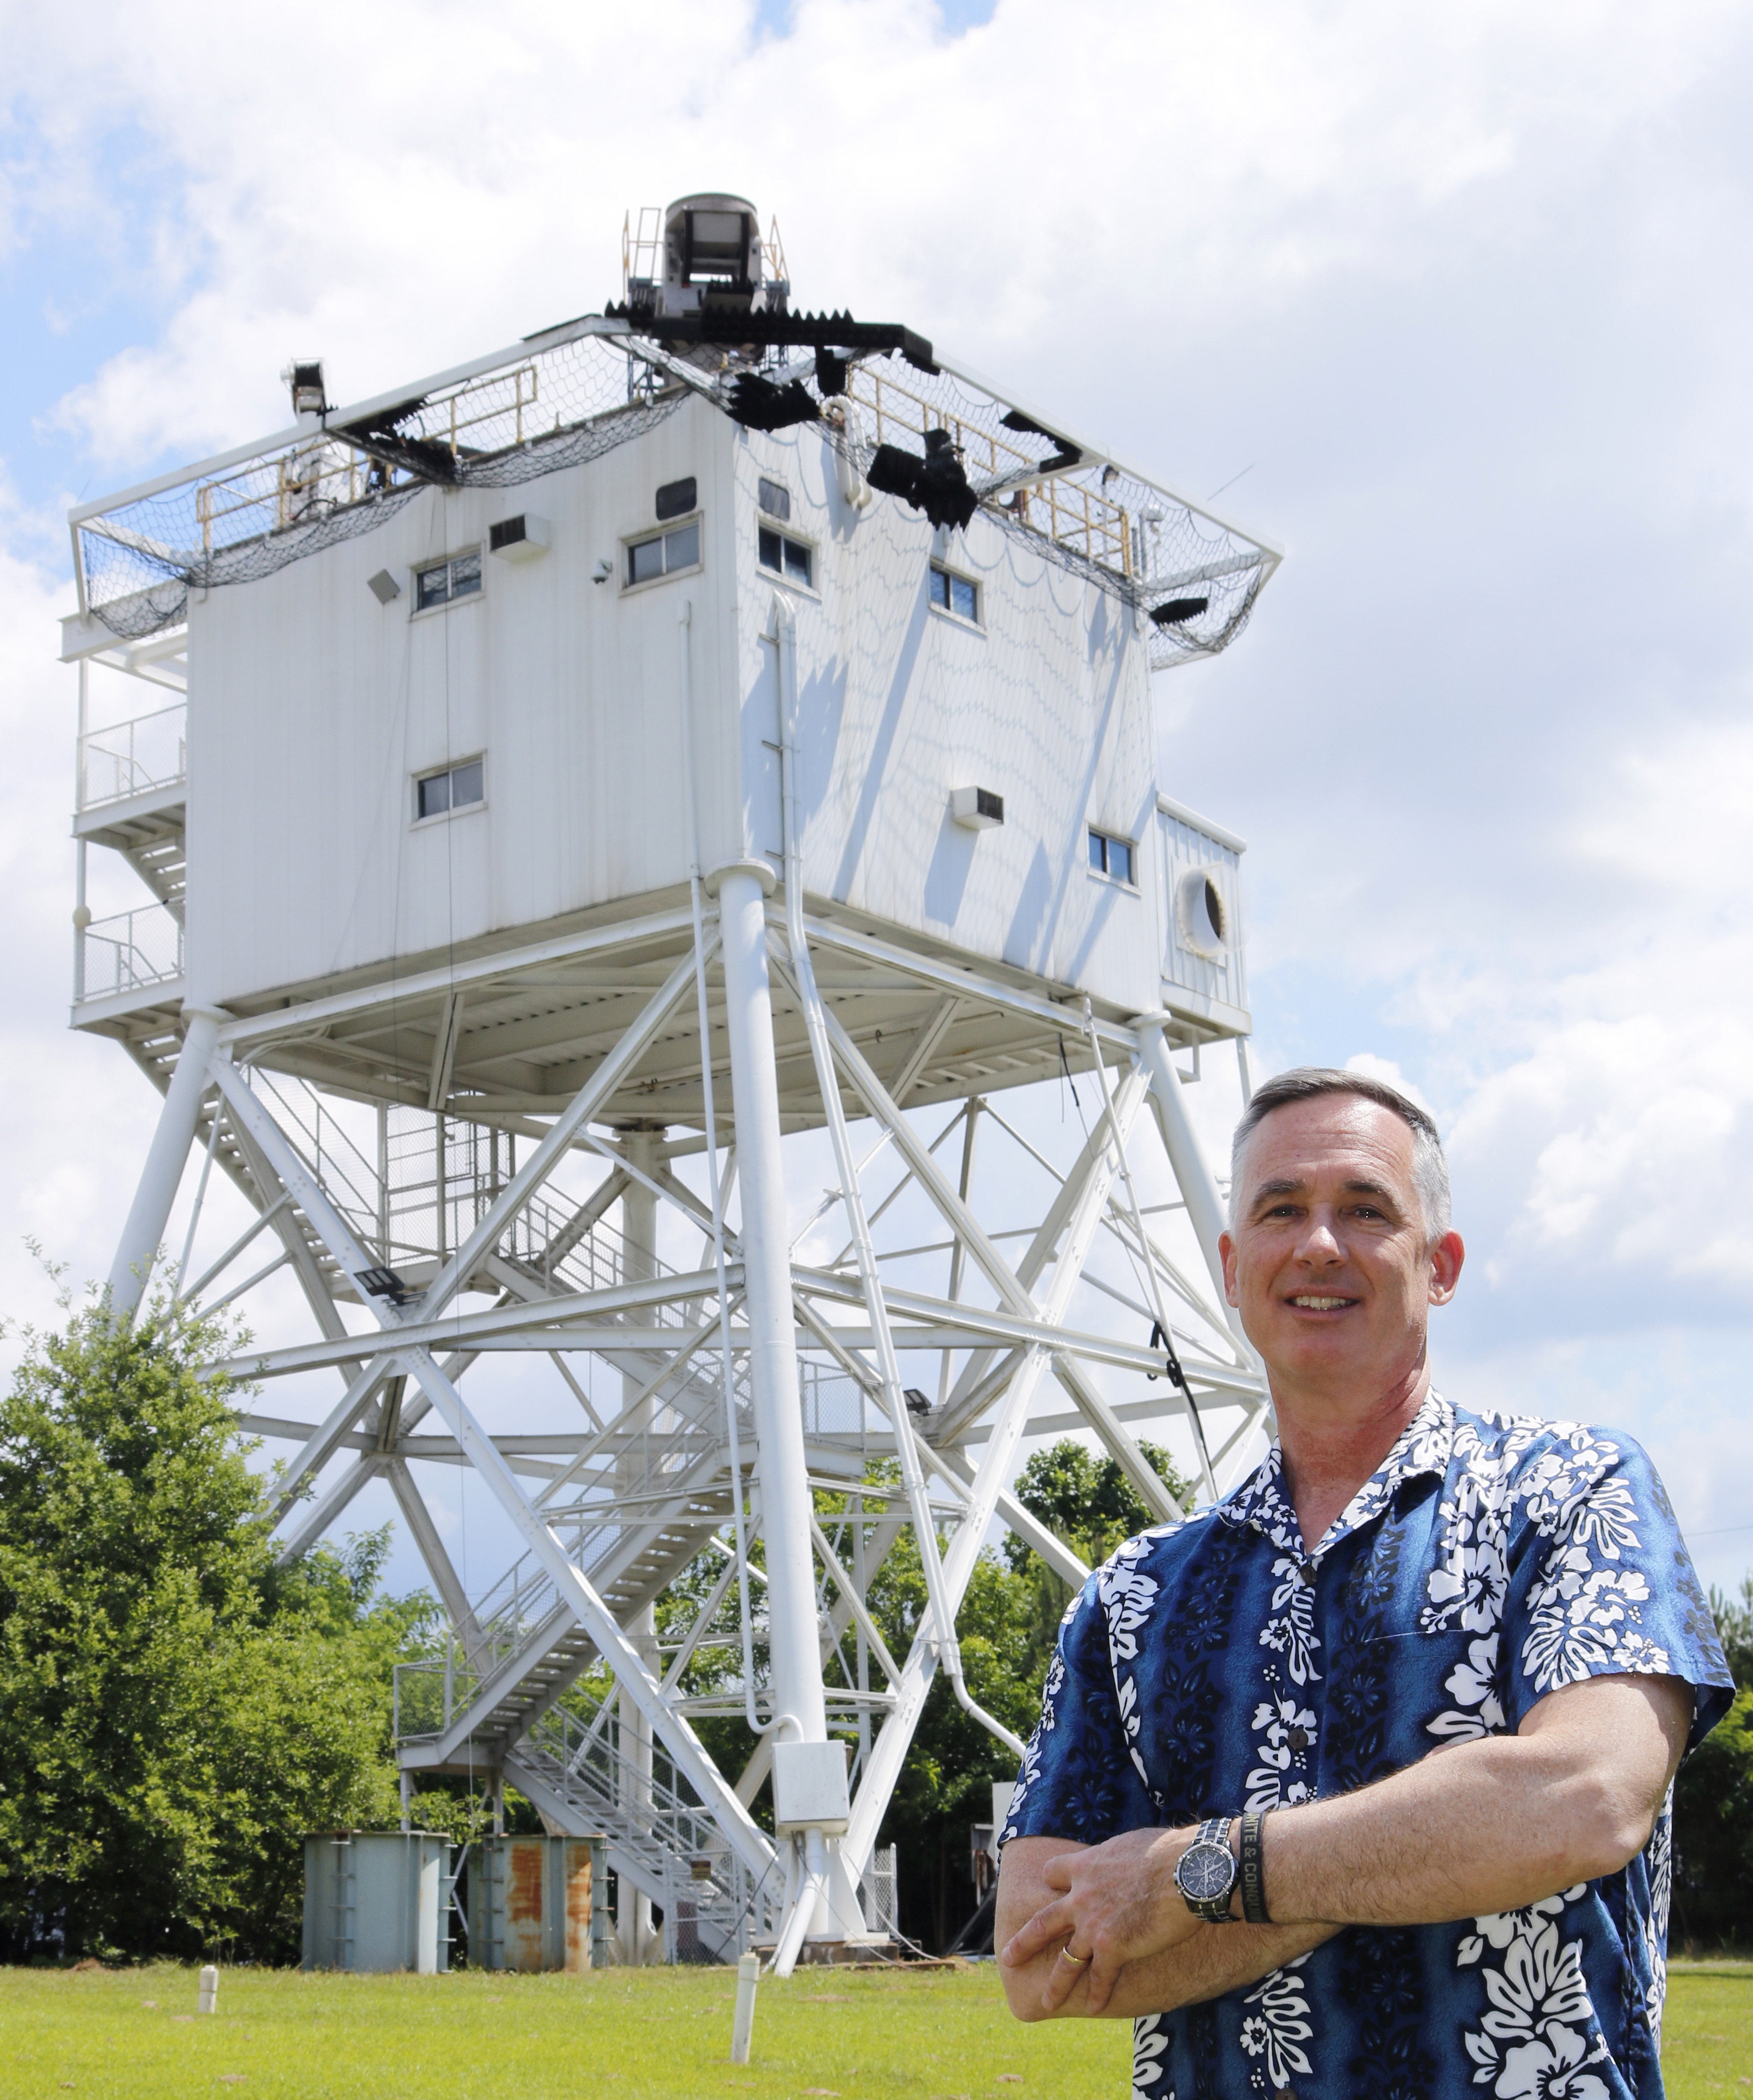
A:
{"points": [[1308, 1301]]}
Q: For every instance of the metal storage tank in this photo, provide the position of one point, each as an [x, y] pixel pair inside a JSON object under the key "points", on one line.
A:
{"points": [[538, 1903], [375, 1901]]}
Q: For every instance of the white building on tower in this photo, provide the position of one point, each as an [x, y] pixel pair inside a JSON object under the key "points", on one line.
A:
{"points": [[594, 776]]}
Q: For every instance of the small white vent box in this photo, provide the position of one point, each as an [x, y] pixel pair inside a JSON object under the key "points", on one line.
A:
{"points": [[810, 1790], [977, 808], [519, 539]]}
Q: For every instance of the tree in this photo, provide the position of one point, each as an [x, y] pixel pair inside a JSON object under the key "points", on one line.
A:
{"points": [[1734, 1628], [176, 1711], [1713, 1834]]}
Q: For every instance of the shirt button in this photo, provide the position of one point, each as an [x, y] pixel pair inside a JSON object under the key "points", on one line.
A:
{"points": [[1299, 1739], [1307, 1573]]}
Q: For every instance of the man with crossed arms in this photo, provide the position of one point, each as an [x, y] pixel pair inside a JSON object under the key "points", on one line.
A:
{"points": [[1230, 1825]]}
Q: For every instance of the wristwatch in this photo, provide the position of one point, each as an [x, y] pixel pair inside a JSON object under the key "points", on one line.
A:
{"points": [[1205, 1872]]}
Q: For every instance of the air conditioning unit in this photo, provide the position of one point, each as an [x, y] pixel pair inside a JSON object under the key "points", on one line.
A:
{"points": [[519, 539], [977, 809]]}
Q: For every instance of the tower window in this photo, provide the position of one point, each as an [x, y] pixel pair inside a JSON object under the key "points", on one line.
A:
{"points": [[1111, 856], [954, 595], [664, 553], [437, 794], [441, 583], [785, 556], [676, 499], [775, 498]]}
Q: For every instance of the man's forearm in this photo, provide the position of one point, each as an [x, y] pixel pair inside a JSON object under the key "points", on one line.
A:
{"points": [[1221, 1958], [1491, 1825]]}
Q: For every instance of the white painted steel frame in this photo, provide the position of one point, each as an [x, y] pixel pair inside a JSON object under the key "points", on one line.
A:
{"points": [[992, 1407]]}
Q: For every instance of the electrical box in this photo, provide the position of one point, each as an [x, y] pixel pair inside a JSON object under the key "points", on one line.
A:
{"points": [[809, 1790]]}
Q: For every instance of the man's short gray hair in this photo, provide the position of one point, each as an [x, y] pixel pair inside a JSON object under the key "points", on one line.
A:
{"points": [[1307, 1083]]}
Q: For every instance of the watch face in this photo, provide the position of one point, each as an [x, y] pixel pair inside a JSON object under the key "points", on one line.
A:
{"points": [[1206, 1871]]}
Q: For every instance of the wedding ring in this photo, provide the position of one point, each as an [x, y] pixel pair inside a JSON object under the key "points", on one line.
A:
{"points": [[1077, 1960]]}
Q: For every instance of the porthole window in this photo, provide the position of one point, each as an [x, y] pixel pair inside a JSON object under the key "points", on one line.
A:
{"points": [[662, 554], [454, 788], [1111, 856], [441, 583], [786, 557], [960, 595], [1204, 916]]}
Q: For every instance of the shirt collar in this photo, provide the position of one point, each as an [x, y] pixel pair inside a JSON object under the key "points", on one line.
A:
{"points": [[1425, 1445]]}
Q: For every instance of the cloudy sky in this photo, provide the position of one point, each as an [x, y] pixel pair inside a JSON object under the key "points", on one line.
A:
{"points": [[1453, 300]]}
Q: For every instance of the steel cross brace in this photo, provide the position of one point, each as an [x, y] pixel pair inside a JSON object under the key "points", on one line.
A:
{"points": [[1087, 1205], [750, 1843]]}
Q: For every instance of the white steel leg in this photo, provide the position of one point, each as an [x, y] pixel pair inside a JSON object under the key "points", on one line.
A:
{"points": [[160, 1178], [785, 1497], [1199, 1187]]}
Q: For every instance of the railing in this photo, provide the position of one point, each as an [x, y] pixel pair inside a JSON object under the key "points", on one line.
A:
{"points": [[131, 952], [331, 472], [130, 758], [1067, 512]]}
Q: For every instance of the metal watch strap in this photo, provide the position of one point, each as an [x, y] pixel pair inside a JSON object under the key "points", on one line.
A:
{"points": [[1214, 1832], [1253, 1871]]}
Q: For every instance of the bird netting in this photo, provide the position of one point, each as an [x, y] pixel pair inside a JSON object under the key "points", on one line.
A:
{"points": [[916, 431]]}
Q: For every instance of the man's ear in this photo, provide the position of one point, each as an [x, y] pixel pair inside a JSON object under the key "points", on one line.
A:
{"points": [[1226, 1254], [1447, 1256]]}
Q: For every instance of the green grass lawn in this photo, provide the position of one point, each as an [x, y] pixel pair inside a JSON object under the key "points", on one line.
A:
{"points": [[131, 2033], [1707, 2035]]}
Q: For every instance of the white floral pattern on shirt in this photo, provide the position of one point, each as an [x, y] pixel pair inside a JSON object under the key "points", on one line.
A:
{"points": [[1540, 2039]]}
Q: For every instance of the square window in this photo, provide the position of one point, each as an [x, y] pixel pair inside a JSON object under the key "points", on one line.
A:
{"points": [[466, 574], [682, 548], [431, 586], [954, 594], [645, 560], [466, 784], [433, 795], [1098, 853], [774, 499], [797, 561]]}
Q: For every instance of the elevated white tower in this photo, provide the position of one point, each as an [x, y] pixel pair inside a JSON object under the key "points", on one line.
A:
{"points": [[593, 771]]}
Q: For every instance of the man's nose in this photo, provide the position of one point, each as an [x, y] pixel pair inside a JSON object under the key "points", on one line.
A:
{"points": [[1320, 1242]]}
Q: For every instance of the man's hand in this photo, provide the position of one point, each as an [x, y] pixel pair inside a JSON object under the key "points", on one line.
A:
{"points": [[1118, 1903], [1203, 1964]]}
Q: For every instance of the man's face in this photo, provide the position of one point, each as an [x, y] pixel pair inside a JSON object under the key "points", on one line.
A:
{"points": [[1328, 1264]]}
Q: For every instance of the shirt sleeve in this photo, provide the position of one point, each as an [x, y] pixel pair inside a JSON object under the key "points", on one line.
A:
{"points": [[1078, 1779], [1602, 1584]]}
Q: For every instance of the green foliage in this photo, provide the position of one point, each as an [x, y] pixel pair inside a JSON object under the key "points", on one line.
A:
{"points": [[1713, 1834], [1734, 1628], [175, 1712]]}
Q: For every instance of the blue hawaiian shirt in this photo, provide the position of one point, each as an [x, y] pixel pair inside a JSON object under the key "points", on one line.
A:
{"points": [[1219, 1665]]}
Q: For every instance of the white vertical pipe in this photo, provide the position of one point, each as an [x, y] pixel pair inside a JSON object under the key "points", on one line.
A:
{"points": [[150, 1212], [82, 910], [638, 1218], [742, 2020], [786, 1505], [1199, 1187]]}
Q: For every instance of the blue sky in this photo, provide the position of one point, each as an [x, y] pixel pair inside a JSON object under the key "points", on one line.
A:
{"points": [[1459, 293]]}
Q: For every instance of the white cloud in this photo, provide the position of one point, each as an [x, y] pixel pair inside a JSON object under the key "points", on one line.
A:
{"points": [[1452, 279]]}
